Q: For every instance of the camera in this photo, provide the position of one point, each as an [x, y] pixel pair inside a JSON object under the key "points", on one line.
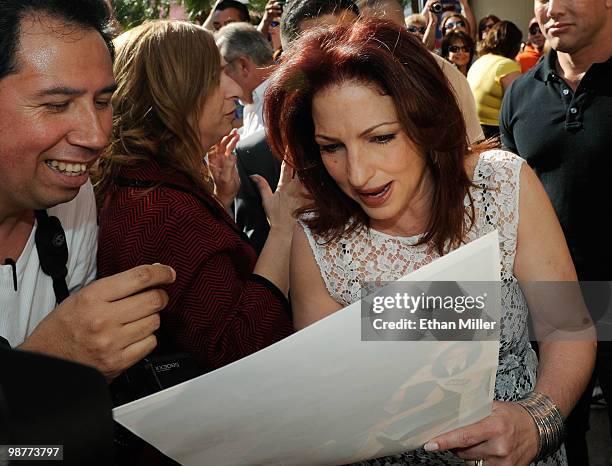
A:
{"points": [[281, 3], [436, 8]]}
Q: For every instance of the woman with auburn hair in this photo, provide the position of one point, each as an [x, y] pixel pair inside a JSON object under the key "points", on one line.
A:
{"points": [[159, 202], [372, 128]]}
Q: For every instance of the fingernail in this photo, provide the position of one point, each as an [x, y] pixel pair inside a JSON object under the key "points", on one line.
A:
{"points": [[431, 446]]}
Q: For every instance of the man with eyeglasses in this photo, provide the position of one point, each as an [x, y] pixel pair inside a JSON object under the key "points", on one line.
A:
{"points": [[534, 47], [558, 117]]}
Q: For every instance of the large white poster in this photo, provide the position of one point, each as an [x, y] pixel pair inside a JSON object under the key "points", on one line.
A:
{"points": [[323, 396]]}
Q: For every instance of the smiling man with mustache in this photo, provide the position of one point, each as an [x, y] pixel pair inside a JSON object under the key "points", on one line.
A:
{"points": [[56, 81], [558, 117]]}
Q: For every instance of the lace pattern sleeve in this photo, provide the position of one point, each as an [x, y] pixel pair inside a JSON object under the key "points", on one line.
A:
{"points": [[497, 176], [321, 253]]}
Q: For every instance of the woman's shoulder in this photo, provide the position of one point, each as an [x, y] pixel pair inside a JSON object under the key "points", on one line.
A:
{"points": [[499, 156], [482, 165], [163, 208], [490, 162], [506, 65], [490, 62]]}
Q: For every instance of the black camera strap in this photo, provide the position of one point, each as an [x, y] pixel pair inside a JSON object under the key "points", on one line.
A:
{"points": [[50, 240]]}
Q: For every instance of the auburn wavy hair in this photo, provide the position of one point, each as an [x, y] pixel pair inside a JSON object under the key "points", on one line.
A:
{"points": [[382, 54], [165, 71]]}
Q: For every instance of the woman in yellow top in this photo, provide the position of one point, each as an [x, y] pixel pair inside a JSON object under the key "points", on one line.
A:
{"points": [[493, 72]]}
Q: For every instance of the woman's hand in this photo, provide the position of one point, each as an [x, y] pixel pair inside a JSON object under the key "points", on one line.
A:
{"points": [[222, 164], [281, 205], [508, 437], [273, 262]]}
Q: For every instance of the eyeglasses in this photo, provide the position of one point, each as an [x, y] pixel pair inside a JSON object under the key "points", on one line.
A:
{"points": [[460, 48], [415, 29], [488, 26], [454, 24], [535, 29]]}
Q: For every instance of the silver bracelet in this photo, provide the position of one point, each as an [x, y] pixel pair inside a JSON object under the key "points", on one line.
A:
{"points": [[549, 421]]}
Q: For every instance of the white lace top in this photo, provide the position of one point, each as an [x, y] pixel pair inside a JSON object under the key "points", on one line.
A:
{"points": [[371, 256]]}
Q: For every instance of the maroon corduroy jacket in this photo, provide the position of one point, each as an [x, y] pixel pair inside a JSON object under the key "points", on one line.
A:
{"points": [[219, 311]]}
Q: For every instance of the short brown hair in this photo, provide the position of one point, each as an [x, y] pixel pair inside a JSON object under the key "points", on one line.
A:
{"points": [[388, 56], [504, 39]]}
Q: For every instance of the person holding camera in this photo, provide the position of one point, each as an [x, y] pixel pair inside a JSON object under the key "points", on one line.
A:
{"points": [[431, 15]]}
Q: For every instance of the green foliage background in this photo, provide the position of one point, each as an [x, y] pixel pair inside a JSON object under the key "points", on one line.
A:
{"points": [[131, 13]]}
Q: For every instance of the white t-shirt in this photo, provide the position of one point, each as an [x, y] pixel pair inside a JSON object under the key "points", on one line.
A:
{"points": [[465, 99], [22, 310]]}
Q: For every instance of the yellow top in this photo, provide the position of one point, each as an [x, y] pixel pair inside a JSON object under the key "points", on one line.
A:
{"points": [[485, 80]]}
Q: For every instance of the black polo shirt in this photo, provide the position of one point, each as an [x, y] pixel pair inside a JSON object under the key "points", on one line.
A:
{"points": [[566, 138]]}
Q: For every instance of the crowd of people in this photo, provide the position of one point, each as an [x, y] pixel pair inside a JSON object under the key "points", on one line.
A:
{"points": [[195, 193]]}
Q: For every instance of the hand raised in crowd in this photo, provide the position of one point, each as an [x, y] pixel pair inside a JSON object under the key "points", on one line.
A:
{"points": [[507, 437], [274, 9], [427, 12], [281, 205], [429, 37], [222, 164], [109, 324]]}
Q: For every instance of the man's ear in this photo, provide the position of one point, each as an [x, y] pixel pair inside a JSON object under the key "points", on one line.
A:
{"points": [[245, 66]]}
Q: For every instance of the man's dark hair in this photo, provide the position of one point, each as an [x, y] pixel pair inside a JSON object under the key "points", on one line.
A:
{"points": [[86, 14], [241, 7], [296, 11]]}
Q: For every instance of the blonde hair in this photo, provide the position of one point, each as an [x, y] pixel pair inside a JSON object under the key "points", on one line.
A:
{"points": [[165, 71], [415, 18]]}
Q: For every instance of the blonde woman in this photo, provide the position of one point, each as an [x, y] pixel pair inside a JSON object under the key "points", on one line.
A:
{"points": [[159, 203]]}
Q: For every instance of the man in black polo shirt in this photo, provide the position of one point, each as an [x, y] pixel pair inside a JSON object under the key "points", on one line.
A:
{"points": [[558, 116]]}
